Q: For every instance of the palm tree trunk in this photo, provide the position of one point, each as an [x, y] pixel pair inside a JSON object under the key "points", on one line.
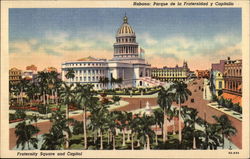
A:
{"points": [[165, 128], [111, 138], [28, 145], [162, 129], [85, 129], [47, 98], [21, 94], [44, 101], [108, 136], [101, 146], [116, 131], [148, 143], [156, 137], [67, 134], [194, 143], [132, 141], [52, 94], [56, 97], [223, 141], [123, 137], [113, 135], [94, 138], [174, 127], [138, 143], [180, 120], [128, 138]]}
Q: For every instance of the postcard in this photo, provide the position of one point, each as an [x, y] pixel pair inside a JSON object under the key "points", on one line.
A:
{"points": [[125, 79]]}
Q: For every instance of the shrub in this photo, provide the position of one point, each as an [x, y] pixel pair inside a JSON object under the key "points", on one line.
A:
{"points": [[43, 109], [78, 128], [20, 114]]}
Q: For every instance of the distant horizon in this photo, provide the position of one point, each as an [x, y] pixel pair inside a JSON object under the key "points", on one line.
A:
{"points": [[47, 37]]}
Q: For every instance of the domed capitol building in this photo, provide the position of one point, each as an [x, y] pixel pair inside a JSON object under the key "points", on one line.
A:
{"points": [[128, 64]]}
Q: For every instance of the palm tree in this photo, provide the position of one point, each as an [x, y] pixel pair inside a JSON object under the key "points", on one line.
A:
{"points": [[165, 101], [145, 132], [55, 140], [24, 135], [175, 114], [134, 128], [53, 82], [181, 95], [191, 121], [158, 116], [67, 95], [42, 79], [22, 87], [99, 120], [84, 97], [212, 137], [32, 90], [104, 80], [122, 118], [225, 127], [129, 118], [112, 124], [70, 73]]}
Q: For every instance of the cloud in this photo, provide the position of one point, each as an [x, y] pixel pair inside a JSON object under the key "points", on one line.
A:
{"points": [[147, 39], [62, 46]]}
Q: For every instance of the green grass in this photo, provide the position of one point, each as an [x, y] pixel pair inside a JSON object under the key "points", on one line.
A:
{"points": [[76, 143], [63, 107]]}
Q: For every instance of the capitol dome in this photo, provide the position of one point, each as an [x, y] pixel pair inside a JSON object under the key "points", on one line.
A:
{"points": [[125, 29]]}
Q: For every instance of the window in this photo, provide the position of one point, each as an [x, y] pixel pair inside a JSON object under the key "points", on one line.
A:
{"points": [[220, 84]]}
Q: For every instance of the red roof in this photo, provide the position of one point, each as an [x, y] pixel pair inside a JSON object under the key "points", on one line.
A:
{"points": [[235, 99]]}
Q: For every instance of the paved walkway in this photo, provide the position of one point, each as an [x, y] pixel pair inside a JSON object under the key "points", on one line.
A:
{"points": [[138, 102], [232, 113], [206, 112]]}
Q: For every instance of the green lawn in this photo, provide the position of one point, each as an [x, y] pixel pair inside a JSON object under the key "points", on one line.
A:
{"points": [[63, 107], [76, 143]]}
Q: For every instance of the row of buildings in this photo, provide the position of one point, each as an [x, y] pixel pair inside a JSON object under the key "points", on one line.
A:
{"points": [[15, 74], [226, 79]]}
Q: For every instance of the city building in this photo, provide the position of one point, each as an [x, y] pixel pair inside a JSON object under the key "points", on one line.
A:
{"points": [[171, 73], [218, 82], [233, 80], [30, 72], [216, 78], [202, 73], [128, 64], [15, 75]]}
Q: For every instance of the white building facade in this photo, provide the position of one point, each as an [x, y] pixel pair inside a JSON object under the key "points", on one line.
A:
{"points": [[128, 64]]}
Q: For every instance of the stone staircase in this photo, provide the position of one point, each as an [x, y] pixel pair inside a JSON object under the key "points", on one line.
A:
{"points": [[148, 81]]}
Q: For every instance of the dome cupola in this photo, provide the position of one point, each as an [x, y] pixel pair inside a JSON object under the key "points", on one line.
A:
{"points": [[125, 29], [125, 46]]}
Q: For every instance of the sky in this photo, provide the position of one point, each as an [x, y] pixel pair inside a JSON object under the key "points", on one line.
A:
{"points": [[50, 36]]}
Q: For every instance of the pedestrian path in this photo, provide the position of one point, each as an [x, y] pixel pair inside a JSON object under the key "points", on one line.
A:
{"points": [[72, 113], [232, 113], [122, 103], [207, 95]]}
